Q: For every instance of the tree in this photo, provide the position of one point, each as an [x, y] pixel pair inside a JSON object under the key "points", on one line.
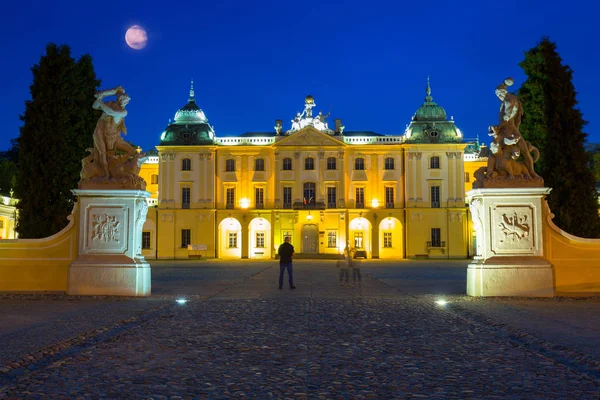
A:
{"points": [[552, 123], [593, 150], [58, 124], [9, 168]]}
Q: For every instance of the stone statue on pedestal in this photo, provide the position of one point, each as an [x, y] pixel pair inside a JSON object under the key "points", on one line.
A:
{"points": [[510, 163], [113, 163]]}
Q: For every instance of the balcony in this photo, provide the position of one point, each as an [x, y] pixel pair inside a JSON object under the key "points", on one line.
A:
{"points": [[436, 245], [331, 204], [319, 205]]}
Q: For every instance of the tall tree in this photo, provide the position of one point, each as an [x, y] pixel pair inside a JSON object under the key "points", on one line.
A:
{"points": [[58, 124], [552, 123], [9, 161]]}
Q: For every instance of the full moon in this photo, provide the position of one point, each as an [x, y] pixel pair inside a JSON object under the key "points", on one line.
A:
{"points": [[136, 37]]}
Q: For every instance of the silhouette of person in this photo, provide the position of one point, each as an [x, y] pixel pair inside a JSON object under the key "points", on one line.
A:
{"points": [[286, 251]]}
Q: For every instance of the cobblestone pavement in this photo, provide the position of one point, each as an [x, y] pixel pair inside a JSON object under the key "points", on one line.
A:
{"points": [[248, 339]]}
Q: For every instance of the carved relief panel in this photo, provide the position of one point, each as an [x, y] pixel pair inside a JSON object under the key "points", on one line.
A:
{"points": [[513, 230], [107, 229]]}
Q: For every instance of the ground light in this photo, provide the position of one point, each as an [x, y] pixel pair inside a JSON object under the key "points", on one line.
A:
{"points": [[181, 301], [441, 302]]}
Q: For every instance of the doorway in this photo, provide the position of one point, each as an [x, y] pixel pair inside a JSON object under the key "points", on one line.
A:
{"points": [[310, 239]]}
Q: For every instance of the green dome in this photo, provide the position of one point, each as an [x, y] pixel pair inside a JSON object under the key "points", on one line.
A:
{"points": [[190, 127], [429, 124]]}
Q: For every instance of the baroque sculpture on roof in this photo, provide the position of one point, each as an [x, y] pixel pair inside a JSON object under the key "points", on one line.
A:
{"points": [[304, 119], [113, 163], [510, 163]]}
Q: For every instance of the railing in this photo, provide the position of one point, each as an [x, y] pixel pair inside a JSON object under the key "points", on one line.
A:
{"points": [[389, 205], [229, 206], [319, 205], [360, 205], [436, 244], [260, 206], [331, 204], [287, 205]]}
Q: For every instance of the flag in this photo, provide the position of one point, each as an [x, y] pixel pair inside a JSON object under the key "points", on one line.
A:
{"points": [[305, 200]]}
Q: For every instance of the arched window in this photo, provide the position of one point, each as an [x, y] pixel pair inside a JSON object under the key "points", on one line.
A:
{"points": [[310, 188], [434, 162], [309, 163], [287, 164], [259, 164], [331, 163], [359, 164], [230, 165], [186, 164], [389, 163]]}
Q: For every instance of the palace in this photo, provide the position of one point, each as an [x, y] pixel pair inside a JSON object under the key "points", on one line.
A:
{"points": [[238, 197]]}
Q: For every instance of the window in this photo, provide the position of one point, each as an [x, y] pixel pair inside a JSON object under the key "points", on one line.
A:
{"points": [[331, 163], [309, 192], [358, 240], [389, 163], [331, 197], [309, 163], [145, 240], [435, 197], [185, 197], [436, 238], [389, 197], [186, 238], [230, 198], [154, 179], [467, 178], [434, 162], [287, 197], [360, 197], [232, 240], [259, 164], [287, 164], [359, 164], [260, 239], [387, 240], [287, 234], [259, 197], [186, 164], [332, 239], [230, 165]]}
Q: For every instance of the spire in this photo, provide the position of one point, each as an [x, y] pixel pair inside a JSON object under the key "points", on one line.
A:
{"points": [[192, 92], [428, 97]]}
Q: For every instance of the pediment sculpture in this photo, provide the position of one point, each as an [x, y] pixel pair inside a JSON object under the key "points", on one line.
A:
{"points": [[511, 158], [112, 163]]}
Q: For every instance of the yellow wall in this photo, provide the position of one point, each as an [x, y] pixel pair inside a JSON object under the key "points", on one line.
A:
{"points": [[32, 265], [576, 261]]}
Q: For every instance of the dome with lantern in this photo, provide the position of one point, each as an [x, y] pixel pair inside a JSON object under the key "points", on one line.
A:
{"points": [[190, 126]]}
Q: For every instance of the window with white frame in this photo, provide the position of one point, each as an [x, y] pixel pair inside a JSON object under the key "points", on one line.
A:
{"points": [[259, 164], [287, 164], [232, 240], [259, 197], [185, 197], [145, 240], [434, 162], [389, 197], [360, 197], [331, 239], [389, 163], [436, 237], [331, 163], [186, 238], [230, 165], [186, 164], [310, 189], [387, 240], [359, 164], [230, 198], [287, 197], [331, 197], [260, 239]]}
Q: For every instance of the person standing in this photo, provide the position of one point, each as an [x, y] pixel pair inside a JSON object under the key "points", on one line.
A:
{"points": [[286, 251]]}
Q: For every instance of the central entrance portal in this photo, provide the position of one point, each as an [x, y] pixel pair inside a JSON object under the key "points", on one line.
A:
{"points": [[310, 239]]}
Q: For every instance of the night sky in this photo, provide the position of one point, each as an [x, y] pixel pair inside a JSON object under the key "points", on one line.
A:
{"points": [[255, 61]]}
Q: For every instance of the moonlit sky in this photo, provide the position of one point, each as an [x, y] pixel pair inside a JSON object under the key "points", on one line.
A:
{"points": [[254, 61]]}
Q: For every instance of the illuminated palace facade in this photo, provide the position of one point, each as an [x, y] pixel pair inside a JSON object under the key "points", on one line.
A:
{"points": [[238, 197]]}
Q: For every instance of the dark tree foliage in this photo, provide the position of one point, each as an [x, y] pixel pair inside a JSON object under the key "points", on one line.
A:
{"points": [[9, 168], [58, 124], [552, 123]]}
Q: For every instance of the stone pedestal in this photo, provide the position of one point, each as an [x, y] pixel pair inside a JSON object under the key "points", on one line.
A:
{"points": [[509, 258], [110, 260]]}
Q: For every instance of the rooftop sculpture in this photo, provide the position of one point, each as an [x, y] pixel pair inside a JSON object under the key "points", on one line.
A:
{"points": [[304, 119]]}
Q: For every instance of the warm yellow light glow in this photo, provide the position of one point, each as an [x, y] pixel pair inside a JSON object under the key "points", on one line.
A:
{"points": [[441, 302], [375, 203], [245, 203], [309, 217]]}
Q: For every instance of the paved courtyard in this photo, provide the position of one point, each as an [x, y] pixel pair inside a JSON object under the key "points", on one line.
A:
{"points": [[239, 336]]}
